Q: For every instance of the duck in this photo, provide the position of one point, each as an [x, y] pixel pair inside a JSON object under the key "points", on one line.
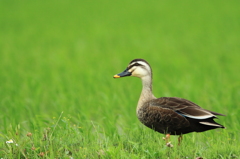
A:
{"points": [[167, 115]]}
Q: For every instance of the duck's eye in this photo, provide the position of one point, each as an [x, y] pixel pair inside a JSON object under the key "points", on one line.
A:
{"points": [[135, 64]]}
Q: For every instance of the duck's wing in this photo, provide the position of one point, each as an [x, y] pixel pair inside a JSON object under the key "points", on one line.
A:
{"points": [[184, 107]]}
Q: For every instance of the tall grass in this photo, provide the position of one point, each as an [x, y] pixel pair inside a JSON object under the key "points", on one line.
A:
{"points": [[57, 58]]}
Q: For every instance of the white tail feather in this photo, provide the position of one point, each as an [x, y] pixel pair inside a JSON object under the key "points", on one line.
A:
{"points": [[210, 124]]}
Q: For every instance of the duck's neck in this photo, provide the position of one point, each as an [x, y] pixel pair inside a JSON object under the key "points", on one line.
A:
{"points": [[146, 94]]}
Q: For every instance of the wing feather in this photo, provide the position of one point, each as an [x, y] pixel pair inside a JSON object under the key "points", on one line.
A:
{"points": [[184, 107]]}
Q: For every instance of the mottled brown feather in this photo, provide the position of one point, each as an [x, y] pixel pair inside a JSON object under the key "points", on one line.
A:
{"points": [[161, 115]]}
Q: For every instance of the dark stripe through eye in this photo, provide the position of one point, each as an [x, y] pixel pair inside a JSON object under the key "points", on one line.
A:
{"points": [[136, 64]]}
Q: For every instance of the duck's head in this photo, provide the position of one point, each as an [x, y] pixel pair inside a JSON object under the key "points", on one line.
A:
{"points": [[137, 68]]}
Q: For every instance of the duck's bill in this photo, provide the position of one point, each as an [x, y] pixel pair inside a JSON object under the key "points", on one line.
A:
{"points": [[123, 74]]}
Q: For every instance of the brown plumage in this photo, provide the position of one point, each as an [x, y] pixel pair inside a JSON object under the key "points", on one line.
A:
{"points": [[167, 115]]}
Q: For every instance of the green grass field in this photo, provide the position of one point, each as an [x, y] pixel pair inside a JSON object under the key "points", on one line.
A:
{"points": [[58, 98]]}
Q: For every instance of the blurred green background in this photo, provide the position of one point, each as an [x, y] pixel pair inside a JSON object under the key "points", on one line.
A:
{"points": [[61, 55]]}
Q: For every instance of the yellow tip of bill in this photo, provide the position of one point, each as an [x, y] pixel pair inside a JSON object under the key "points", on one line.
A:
{"points": [[116, 76]]}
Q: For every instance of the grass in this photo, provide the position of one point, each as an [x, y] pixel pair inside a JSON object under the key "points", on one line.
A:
{"points": [[57, 95]]}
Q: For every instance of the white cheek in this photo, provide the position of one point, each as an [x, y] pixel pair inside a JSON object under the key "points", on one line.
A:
{"points": [[138, 72]]}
